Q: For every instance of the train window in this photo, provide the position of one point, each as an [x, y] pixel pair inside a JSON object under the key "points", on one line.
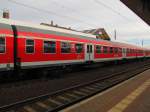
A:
{"points": [[98, 49], [120, 50], [116, 50], [127, 50], [49, 47], [65, 47], [29, 46], [2, 45], [79, 48], [91, 49], [111, 49], [105, 49], [133, 51], [88, 48], [130, 50]]}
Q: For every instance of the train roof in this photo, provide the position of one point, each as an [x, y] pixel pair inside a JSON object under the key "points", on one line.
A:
{"points": [[42, 27], [34, 27]]}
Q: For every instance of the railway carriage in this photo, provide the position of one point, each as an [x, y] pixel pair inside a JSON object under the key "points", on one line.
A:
{"points": [[6, 47], [28, 46]]}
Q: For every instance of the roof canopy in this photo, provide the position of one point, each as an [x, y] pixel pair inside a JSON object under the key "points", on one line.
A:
{"points": [[140, 7]]}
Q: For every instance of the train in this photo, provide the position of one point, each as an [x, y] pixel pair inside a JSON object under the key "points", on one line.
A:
{"points": [[27, 46]]}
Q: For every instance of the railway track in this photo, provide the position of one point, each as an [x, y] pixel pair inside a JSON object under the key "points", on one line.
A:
{"points": [[63, 98]]}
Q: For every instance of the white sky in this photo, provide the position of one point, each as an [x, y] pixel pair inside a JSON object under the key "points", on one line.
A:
{"points": [[83, 14]]}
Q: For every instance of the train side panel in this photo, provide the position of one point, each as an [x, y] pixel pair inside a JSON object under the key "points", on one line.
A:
{"points": [[39, 58], [107, 53], [6, 47]]}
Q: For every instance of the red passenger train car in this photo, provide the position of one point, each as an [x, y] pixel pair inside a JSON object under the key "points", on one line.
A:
{"points": [[28, 46]]}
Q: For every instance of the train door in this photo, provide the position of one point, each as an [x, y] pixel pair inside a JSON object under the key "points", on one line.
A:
{"points": [[124, 52], [89, 51]]}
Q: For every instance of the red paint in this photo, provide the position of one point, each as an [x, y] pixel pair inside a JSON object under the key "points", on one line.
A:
{"points": [[7, 57], [40, 56]]}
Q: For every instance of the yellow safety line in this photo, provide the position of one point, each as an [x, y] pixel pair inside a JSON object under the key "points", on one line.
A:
{"points": [[123, 104]]}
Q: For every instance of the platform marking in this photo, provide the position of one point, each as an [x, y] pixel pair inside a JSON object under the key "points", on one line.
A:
{"points": [[123, 104], [69, 109]]}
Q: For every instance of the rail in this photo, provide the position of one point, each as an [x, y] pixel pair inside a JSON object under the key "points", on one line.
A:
{"points": [[63, 98]]}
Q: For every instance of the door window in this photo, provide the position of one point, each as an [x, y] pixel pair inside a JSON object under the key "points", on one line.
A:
{"points": [[91, 49], [88, 48]]}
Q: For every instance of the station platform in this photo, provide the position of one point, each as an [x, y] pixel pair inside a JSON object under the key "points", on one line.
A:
{"points": [[132, 95]]}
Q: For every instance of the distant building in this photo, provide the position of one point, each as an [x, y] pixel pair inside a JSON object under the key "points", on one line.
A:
{"points": [[56, 25], [100, 33]]}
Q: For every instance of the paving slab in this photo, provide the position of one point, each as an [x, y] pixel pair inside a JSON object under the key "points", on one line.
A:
{"points": [[132, 95]]}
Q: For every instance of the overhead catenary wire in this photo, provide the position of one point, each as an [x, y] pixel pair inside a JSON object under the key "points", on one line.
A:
{"points": [[75, 11], [97, 1], [69, 8], [72, 18], [46, 11], [111, 9], [68, 17], [81, 15], [50, 12]]}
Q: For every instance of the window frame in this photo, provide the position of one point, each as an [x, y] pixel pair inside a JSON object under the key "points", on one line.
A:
{"points": [[105, 52], [91, 48], [4, 45], [116, 50], [29, 45], [111, 50], [88, 48], [120, 50], [82, 48], [61, 47], [100, 49], [49, 41]]}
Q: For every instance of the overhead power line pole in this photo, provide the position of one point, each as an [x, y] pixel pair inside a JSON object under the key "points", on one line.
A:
{"points": [[142, 42], [115, 34]]}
